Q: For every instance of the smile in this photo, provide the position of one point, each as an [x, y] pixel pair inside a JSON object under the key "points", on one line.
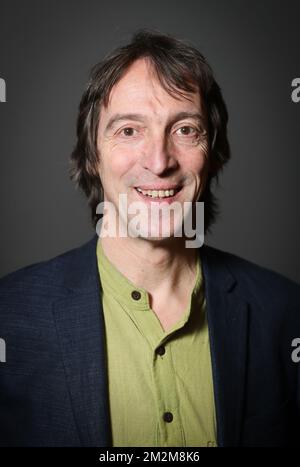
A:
{"points": [[159, 193]]}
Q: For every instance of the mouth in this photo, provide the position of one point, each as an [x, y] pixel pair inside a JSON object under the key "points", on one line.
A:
{"points": [[168, 194]]}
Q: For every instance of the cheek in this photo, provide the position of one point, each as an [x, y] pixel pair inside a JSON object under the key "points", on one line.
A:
{"points": [[119, 161], [194, 161]]}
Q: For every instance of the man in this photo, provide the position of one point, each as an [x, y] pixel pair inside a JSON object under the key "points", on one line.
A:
{"points": [[137, 340]]}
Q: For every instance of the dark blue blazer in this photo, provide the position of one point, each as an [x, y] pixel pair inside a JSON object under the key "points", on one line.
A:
{"points": [[53, 385]]}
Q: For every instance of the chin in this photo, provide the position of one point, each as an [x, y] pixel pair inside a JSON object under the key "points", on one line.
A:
{"points": [[155, 235]]}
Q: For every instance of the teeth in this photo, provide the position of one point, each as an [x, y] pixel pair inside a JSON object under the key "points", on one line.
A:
{"points": [[157, 193]]}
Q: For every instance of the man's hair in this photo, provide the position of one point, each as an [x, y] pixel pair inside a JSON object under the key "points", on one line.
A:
{"points": [[180, 68]]}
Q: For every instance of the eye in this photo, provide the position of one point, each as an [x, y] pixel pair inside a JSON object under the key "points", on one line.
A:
{"points": [[187, 130], [128, 131]]}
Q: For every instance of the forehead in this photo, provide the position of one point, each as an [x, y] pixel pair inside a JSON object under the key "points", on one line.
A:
{"points": [[140, 91]]}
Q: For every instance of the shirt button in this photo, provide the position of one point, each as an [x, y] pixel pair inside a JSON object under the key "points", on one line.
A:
{"points": [[161, 350], [211, 444], [168, 417], [136, 295]]}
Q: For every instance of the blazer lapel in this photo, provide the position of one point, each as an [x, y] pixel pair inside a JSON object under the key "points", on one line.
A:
{"points": [[227, 315], [80, 327]]}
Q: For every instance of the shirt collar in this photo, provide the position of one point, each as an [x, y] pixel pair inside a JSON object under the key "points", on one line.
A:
{"points": [[114, 282]]}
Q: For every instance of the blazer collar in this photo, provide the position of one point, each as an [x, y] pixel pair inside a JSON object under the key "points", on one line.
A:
{"points": [[227, 315], [80, 327]]}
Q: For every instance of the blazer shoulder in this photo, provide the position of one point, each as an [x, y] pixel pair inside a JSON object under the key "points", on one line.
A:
{"points": [[256, 282], [44, 276]]}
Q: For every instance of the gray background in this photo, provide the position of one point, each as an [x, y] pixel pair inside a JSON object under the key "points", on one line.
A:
{"points": [[46, 51]]}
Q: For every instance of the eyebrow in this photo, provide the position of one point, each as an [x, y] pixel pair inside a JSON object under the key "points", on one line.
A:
{"points": [[141, 118]]}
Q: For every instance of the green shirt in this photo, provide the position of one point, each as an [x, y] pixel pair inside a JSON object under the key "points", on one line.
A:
{"points": [[160, 382]]}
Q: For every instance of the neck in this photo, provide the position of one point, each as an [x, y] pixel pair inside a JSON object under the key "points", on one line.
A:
{"points": [[153, 265]]}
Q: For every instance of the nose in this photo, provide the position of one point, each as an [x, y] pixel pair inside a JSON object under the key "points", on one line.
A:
{"points": [[158, 157]]}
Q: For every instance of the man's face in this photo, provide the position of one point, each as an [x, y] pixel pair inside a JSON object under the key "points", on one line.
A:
{"points": [[152, 145]]}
